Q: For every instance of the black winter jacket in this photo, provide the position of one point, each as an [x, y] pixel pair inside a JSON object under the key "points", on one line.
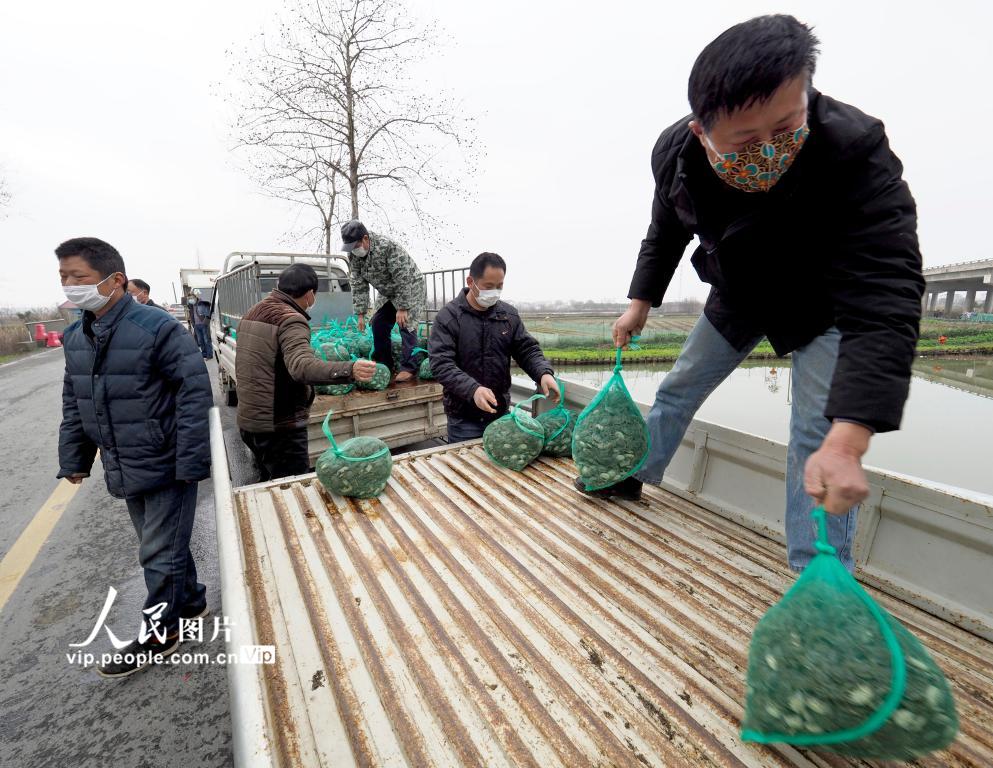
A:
{"points": [[470, 348], [135, 387], [834, 243]]}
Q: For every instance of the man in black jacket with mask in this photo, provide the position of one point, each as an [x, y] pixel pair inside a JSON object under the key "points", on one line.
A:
{"points": [[472, 342], [808, 236]]}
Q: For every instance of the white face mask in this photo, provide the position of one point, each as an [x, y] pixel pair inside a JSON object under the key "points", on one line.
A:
{"points": [[487, 299], [360, 251], [87, 296]]}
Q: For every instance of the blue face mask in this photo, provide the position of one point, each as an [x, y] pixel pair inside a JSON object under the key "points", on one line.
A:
{"points": [[756, 167]]}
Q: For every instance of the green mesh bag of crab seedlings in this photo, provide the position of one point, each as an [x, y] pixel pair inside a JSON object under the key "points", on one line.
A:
{"points": [[359, 468], [424, 369], [335, 351], [830, 670], [380, 379], [516, 439], [610, 440], [334, 389], [559, 423]]}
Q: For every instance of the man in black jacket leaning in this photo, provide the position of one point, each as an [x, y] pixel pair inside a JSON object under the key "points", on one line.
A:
{"points": [[137, 390], [472, 342], [808, 237]]}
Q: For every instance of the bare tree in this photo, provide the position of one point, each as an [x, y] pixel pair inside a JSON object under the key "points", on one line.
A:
{"points": [[336, 94], [4, 196]]}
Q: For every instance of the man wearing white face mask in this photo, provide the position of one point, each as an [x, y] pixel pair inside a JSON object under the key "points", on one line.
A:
{"points": [[137, 390], [382, 263], [473, 340]]}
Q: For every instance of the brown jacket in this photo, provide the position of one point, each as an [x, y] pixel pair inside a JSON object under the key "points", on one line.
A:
{"points": [[275, 366]]}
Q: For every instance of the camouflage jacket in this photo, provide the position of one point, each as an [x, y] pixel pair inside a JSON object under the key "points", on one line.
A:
{"points": [[392, 272]]}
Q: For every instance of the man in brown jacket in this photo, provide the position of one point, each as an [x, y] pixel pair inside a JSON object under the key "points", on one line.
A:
{"points": [[275, 367]]}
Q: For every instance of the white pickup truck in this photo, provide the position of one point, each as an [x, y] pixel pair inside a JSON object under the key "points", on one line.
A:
{"points": [[473, 616]]}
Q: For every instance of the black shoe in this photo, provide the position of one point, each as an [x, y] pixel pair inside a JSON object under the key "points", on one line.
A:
{"points": [[628, 489], [192, 612], [135, 656]]}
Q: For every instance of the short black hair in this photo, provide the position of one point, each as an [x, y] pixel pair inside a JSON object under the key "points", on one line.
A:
{"points": [[484, 260], [101, 256], [141, 284], [297, 279], [748, 63]]}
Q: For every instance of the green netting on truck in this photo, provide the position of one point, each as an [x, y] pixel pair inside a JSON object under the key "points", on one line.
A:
{"points": [[829, 669], [610, 440], [360, 468], [380, 379], [424, 369], [559, 424], [515, 439]]}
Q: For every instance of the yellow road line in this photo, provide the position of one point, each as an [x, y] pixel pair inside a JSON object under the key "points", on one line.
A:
{"points": [[17, 561]]}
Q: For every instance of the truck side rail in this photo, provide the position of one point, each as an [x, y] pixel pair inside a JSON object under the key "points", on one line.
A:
{"points": [[250, 738]]}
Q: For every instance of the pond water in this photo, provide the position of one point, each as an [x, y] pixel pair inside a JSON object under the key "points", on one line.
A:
{"points": [[947, 432]]}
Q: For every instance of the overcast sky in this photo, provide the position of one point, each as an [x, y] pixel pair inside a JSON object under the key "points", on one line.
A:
{"points": [[110, 126]]}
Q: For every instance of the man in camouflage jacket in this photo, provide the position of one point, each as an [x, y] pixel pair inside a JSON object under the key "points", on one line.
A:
{"points": [[378, 261]]}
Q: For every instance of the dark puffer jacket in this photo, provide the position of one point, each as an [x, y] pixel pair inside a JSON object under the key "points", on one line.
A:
{"points": [[276, 365], [470, 348], [137, 389], [833, 243]]}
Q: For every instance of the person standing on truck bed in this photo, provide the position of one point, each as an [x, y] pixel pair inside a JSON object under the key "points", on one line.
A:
{"points": [[473, 339], [275, 367], [136, 389], [808, 236], [378, 261]]}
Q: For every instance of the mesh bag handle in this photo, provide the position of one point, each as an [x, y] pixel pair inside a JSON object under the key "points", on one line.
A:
{"points": [[560, 407], [898, 665], [326, 426], [517, 421]]}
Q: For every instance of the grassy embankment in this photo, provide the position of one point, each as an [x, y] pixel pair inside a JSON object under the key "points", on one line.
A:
{"points": [[963, 338]]}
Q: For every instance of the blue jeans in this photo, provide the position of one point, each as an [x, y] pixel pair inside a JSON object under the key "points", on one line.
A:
{"points": [[705, 361], [460, 429], [163, 519], [202, 335], [382, 346]]}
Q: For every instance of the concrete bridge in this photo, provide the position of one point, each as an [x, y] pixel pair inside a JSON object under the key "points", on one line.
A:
{"points": [[968, 277]]}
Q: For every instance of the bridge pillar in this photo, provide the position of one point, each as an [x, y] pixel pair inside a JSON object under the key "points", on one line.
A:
{"points": [[970, 300], [932, 299], [949, 300], [988, 304]]}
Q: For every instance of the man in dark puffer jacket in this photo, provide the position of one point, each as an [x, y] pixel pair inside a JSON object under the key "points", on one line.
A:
{"points": [[137, 389], [473, 339]]}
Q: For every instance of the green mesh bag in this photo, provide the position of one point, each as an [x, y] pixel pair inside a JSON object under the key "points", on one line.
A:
{"points": [[396, 346], [380, 379], [360, 345], [335, 351], [559, 423], [610, 440], [334, 389], [515, 439], [359, 468], [829, 669], [424, 369]]}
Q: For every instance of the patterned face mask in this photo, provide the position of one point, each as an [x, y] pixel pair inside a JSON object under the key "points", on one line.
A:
{"points": [[759, 165]]}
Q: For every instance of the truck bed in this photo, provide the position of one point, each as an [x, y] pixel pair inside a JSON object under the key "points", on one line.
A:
{"points": [[400, 415], [477, 616]]}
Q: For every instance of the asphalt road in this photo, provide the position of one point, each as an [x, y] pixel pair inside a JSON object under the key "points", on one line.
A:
{"points": [[57, 713]]}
